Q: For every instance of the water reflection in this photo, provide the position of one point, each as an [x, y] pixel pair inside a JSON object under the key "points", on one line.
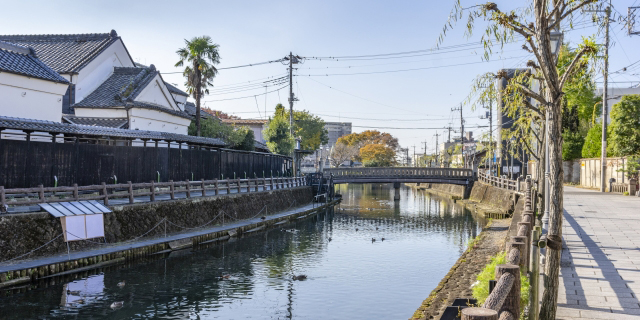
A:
{"points": [[348, 275]]}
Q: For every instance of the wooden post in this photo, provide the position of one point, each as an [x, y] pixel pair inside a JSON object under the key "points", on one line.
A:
{"points": [[534, 278], [517, 244], [130, 191], [256, 181], [238, 182], [3, 200], [172, 189], [75, 191], [215, 186], [248, 185], [512, 302], [152, 189], [41, 193], [188, 189], [479, 314], [524, 258], [105, 194], [272, 183], [228, 186], [204, 193]]}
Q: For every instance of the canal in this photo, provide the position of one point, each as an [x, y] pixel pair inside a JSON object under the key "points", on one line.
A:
{"points": [[351, 272]]}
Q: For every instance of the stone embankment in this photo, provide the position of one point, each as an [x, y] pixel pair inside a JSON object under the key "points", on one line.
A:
{"points": [[492, 202], [20, 233]]}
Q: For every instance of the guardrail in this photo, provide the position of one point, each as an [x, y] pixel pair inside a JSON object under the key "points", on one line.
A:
{"points": [[504, 300], [619, 187], [499, 182], [399, 172], [105, 192]]}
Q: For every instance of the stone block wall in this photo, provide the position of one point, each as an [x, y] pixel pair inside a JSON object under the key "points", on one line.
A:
{"points": [[21, 233]]}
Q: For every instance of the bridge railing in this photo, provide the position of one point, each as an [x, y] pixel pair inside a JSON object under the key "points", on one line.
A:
{"points": [[504, 183], [399, 172]]}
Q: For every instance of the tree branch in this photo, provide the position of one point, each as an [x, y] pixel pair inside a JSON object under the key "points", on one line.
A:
{"points": [[566, 14], [531, 94], [532, 108], [570, 70], [530, 151]]}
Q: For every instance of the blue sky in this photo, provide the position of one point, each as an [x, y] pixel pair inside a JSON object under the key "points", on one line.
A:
{"points": [[258, 31]]}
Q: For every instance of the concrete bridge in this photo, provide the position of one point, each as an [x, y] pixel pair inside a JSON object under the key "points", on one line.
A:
{"points": [[397, 175]]}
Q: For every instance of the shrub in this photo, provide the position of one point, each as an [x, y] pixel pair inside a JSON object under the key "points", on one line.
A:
{"points": [[481, 287]]}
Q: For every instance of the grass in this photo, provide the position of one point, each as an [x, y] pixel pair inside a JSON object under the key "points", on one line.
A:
{"points": [[481, 287]]}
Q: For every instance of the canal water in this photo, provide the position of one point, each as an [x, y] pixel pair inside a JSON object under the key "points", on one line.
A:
{"points": [[348, 274]]}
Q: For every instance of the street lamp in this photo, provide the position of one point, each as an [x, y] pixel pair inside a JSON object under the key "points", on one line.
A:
{"points": [[555, 38]]}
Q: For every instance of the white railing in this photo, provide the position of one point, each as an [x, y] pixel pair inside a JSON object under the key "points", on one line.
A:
{"points": [[504, 183]]}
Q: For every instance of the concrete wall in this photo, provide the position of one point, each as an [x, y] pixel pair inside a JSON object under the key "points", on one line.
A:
{"points": [[571, 171], [590, 170], [21, 233], [24, 97], [500, 199]]}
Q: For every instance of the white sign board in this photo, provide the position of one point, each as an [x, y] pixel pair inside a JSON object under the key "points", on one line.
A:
{"points": [[95, 225], [74, 228]]}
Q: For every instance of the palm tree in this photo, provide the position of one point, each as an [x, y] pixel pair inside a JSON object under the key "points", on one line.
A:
{"points": [[201, 54]]}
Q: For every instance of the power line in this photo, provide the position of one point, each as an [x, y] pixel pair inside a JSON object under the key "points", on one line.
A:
{"points": [[404, 70], [236, 67], [417, 128], [251, 96]]}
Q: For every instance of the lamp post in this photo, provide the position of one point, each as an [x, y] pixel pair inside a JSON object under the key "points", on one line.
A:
{"points": [[555, 38]]}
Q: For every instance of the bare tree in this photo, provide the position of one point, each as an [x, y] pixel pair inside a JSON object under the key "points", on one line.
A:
{"points": [[342, 152], [533, 26]]}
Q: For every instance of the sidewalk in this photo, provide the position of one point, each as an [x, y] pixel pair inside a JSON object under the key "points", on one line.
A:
{"points": [[600, 268]]}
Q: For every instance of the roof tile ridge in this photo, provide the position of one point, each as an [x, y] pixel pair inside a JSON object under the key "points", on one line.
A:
{"points": [[61, 79], [53, 37], [144, 80], [125, 94]]}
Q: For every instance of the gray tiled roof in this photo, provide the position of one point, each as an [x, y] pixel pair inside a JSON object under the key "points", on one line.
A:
{"points": [[74, 129], [190, 109], [121, 123], [20, 60], [121, 89], [174, 89], [260, 146], [65, 53]]}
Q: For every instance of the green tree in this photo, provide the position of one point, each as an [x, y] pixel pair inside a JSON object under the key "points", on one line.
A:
{"points": [[279, 140], [579, 98], [625, 127], [309, 128], [248, 139], [236, 138], [593, 142], [572, 145], [202, 55]]}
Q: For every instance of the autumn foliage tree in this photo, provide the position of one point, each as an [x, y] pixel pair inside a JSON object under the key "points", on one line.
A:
{"points": [[377, 155], [376, 149]]}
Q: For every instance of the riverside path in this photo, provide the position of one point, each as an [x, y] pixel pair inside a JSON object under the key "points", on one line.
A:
{"points": [[600, 267]]}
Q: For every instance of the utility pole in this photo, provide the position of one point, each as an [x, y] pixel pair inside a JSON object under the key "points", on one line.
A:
{"points": [[603, 156], [461, 134], [437, 146], [491, 137], [414, 155], [292, 59]]}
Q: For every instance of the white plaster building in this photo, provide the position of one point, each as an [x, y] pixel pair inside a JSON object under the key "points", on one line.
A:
{"points": [[28, 86], [104, 85]]}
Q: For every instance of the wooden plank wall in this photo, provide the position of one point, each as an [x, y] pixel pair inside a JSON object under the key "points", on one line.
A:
{"points": [[28, 164]]}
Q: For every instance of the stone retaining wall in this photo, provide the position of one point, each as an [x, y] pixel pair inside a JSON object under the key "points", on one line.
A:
{"points": [[21, 233]]}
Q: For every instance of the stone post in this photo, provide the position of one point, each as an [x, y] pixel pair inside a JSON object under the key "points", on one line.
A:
{"points": [[396, 187]]}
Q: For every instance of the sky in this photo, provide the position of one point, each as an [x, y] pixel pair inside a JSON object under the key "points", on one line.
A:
{"points": [[371, 93]]}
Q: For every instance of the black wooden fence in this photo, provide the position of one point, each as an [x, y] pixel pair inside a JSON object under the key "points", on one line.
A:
{"points": [[25, 164]]}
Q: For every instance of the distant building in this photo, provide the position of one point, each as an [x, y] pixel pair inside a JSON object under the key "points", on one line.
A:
{"points": [[320, 158], [614, 95]]}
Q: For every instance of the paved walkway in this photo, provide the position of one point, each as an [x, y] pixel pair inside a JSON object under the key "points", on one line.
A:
{"points": [[600, 271]]}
